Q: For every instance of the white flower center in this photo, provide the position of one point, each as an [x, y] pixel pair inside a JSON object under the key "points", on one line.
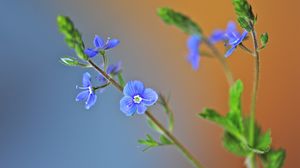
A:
{"points": [[137, 99]]}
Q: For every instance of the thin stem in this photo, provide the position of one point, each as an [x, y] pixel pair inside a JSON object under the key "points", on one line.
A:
{"points": [[254, 96], [222, 60], [246, 49], [189, 156]]}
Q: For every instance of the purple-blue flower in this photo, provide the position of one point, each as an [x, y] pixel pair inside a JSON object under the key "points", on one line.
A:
{"points": [[193, 45], [137, 98], [231, 36], [88, 94], [101, 45], [112, 69]]}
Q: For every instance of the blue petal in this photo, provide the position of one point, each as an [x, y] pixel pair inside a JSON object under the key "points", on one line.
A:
{"points": [[86, 80], [194, 59], [216, 36], [149, 97], [141, 108], [193, 43], [90, 101], [231, 27], [127, 106], [230, 51], [114, 68], [90, 52], [82, 95], [243, 36], [99, 42], [133, 88], [111, 43]]}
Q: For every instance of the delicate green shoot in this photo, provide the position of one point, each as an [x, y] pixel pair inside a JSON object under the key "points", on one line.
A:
{"points": [[73, 62], [164, 103], [72, 35], [264, 39]]}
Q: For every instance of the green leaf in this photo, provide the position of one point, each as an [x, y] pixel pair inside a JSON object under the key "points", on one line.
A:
{"points": [[224, 122], [264, 38], [243, 9], [80, 53], [73, 62], [171, 17], [69, 61], [154, 126], [235, 113], [164, 140], [244, 23], [263, 143], [121, 79], [273, 158], [149, 142], [234, 146]]}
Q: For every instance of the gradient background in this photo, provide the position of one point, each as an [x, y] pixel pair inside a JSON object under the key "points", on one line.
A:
{"points": [[42, 126]]}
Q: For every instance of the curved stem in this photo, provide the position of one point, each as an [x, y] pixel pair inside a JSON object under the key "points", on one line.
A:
{"points": [[189, 156], [222, 60], [254, 96]]}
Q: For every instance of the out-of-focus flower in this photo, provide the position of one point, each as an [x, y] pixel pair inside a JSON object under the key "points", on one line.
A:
{"points": [[193, 45]]}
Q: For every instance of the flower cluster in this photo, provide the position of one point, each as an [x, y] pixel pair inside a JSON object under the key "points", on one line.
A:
{"points": [[136, 97], [230, 36]]}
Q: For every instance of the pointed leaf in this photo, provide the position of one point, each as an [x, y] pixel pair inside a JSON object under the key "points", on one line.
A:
{"points": [[171, 17]]}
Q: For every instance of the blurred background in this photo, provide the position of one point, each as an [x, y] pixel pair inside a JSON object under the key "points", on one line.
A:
{"points": [[41, 125]]}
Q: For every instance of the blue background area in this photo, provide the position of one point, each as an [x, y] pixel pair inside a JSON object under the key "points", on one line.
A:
{"points": [[41, 125]]}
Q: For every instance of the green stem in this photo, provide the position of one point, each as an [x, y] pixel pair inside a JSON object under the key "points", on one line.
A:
{"points": [[222, 60], [188, 155], [254, 96]]}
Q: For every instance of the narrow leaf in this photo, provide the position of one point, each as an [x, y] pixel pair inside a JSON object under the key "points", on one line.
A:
{"points": [[171, 17], [164, 140]]}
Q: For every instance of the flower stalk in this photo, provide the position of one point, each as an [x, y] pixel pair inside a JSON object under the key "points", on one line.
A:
{"points": [[252, 159], [222, 60], [179, 145]]}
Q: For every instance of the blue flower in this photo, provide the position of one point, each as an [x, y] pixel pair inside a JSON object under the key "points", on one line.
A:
{"points": [[231, 36], [88, 94], [101, 44], [137, 98], [112, 69], [194, 54]]}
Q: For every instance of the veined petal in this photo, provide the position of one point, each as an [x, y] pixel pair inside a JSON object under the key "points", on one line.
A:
{"points": [[229, 52], [99, 42], [127, 106], [194, 60], [149, 97], [111, 43], [90, 101], [91, 52], [133, 88], [141, 108], [82, 95], [86, 79]]}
